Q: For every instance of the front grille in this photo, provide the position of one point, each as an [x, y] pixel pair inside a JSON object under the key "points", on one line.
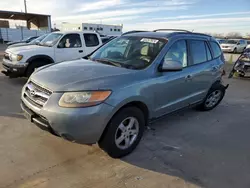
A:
{"points": [[36, 95]]}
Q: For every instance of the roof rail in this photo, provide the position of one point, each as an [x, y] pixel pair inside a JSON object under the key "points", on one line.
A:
{"points": [[134, 31], [182, 30]]}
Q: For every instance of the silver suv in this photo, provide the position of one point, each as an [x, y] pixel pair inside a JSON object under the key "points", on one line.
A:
{"points": [[110, 96]]}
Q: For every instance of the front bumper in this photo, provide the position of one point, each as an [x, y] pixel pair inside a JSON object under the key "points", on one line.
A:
{"points": [[14, 69], [227, 49], [81, 125]]}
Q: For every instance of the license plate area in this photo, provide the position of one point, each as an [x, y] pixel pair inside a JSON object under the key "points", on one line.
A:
{"points": [[28, 115]]}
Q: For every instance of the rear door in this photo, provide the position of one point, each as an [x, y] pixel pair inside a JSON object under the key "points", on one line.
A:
{"points": [[91, 42], [70, 47], [202, 69]]}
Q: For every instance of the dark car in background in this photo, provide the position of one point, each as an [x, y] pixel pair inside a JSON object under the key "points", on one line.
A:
{"points": [[107, 39], [26, 40], [32, 42]]}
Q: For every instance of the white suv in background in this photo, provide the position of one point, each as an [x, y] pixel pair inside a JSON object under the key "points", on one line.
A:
{"points": [[54, 48], [248, 44], [234, 45]]}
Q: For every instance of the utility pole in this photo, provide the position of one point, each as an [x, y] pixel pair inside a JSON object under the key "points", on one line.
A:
{"points": [[25, 6]]}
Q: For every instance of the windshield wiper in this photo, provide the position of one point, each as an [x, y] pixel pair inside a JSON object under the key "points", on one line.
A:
{"points": [[108, 62]]}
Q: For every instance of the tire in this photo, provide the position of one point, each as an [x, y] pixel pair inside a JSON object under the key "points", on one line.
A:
{"points": [[242, 75], [110, 142], [33, 65], [215, 90], [235, 50]]}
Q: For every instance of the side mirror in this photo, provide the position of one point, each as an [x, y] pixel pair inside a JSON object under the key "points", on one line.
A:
{"points": [[60, 45], [171, 65]]}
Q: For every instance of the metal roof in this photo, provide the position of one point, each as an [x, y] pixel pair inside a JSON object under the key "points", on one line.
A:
{"points": [[19, 15]]}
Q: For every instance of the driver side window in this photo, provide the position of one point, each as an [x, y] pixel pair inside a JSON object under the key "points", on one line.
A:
{"points": [[70, 41], [177, 52]]}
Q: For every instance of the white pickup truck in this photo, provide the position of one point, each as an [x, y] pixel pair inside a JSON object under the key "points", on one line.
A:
{"points": [[56, 47]]}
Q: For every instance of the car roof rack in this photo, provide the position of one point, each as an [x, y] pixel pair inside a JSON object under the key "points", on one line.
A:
{"points": [[134, 31], [182, 30]]}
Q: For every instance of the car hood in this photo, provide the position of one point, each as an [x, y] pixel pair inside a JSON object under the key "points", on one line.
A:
{"points": [[19, 45], [23, 49], [82, 75]]}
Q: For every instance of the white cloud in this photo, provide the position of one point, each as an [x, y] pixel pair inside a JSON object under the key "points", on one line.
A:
{"points": [[98, 5], [113, 13], [213, 24], [101, 5], [203, 15], [134, 14]]}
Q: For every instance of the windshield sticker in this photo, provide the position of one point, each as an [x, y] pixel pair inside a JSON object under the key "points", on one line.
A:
{"points": [[153, 41]]}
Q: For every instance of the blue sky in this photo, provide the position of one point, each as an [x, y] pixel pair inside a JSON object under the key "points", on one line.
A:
{"points": [[220, 16]]}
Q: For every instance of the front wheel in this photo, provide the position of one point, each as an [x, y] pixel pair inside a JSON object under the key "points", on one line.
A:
{"points": [[235, 50], [213, 98], [33, 65], [123, 133]]}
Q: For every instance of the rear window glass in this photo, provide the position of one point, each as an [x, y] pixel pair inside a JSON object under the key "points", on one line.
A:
{"points": [[91, 40], [216, 49], [209, 56], [198, 50]]}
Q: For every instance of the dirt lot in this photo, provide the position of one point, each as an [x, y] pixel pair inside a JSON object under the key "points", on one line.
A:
{"points": [[187, 149]]}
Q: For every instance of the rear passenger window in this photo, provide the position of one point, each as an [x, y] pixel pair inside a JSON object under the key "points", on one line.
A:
{"points": [[91, 40], [209, 56], [198, 51], [216, 49]]}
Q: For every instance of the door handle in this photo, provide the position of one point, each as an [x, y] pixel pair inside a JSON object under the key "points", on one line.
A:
{"points": [[215, 68], [80, 51], [188, 77]]}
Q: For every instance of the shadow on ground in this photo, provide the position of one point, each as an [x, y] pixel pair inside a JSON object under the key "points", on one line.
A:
{"points": [[10, 93], [203, 148]]}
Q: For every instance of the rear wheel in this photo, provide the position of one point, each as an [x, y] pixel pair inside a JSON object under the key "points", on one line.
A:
{"points": [[123, 133], [213, 98]]}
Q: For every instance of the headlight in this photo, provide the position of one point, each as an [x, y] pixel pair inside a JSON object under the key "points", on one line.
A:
{"points": [[15, 57], [83, 99]]}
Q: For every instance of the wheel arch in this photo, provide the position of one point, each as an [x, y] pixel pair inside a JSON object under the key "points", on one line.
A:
{"points": [[42, 57], [133, 103]]}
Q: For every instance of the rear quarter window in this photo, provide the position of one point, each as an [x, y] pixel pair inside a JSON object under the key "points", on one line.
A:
{"points": [[91, 40], [216, 49]]}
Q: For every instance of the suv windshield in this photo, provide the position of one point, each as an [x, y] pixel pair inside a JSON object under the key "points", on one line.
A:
{"points": [[51, 39], [129, 51], [232, 42]]}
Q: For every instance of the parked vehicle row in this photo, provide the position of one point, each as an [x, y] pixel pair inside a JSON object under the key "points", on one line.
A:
{"points": [[26, 40], [111, 94], [32, 42], [54, 48], [233, 45]]}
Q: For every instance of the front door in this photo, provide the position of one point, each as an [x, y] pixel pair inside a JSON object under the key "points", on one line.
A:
{"points": [[70, 47], [173, 88]]}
